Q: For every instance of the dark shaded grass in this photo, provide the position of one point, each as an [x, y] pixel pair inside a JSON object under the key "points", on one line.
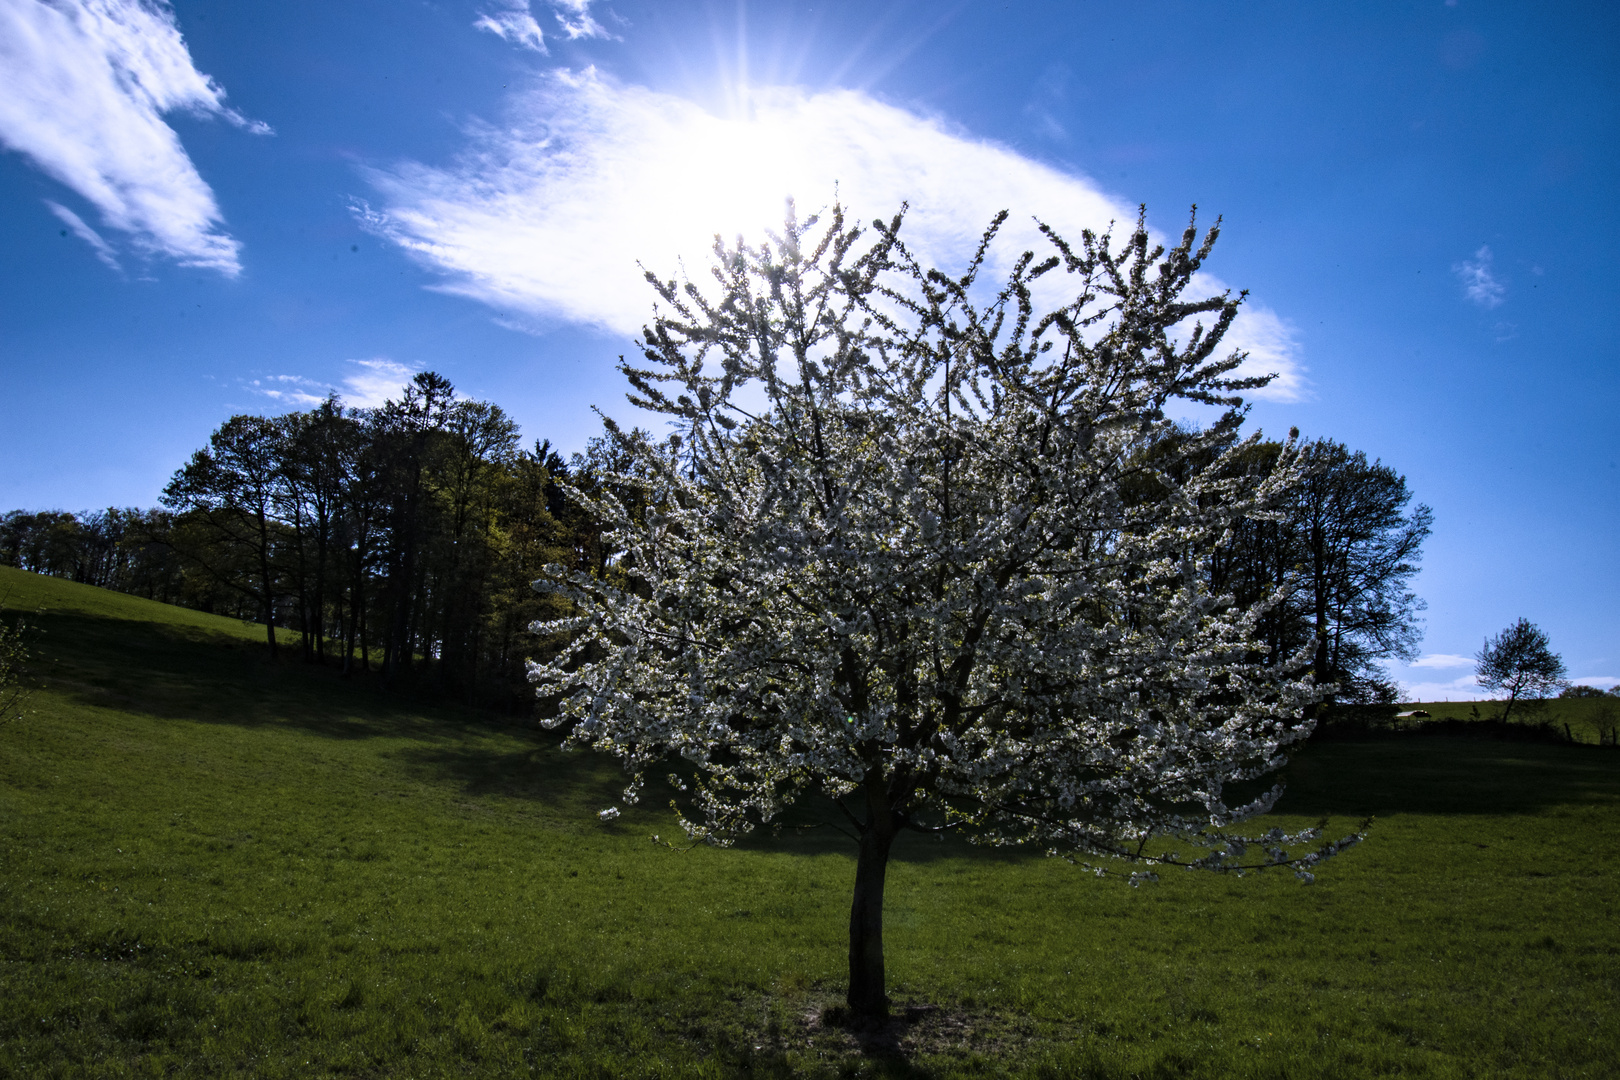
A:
{"points": [[215, 866]]}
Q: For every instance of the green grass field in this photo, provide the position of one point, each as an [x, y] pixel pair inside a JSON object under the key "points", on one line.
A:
{"points": [[1578, 713], [211, 865]]}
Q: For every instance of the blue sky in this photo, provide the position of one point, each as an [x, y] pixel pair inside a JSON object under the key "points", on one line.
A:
{"points": [[212, 208]]}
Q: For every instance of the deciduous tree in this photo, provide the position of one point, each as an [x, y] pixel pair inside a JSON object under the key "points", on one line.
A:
{"points": [[231, 490], [1360, 548], [1521, 662], [924, 547]]}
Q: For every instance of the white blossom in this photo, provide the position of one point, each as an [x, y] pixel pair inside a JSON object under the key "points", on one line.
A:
{"points": [[925, 549]]}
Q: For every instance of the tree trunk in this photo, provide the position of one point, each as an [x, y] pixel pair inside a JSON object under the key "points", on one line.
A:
{"points": [[866, 998], [365, 639], [1319, 603]]}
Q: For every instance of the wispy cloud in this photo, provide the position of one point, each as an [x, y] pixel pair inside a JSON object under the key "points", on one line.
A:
{"points": [[1420, 681], [514, 21], [293, 390], [575, 18], [1464, 688], [377, 381], [1461, 689], [1479, 284], [367, 385], [87, 86], [546, 215], [1046, 101], [78, 228], [1443, 661], [1272, 343]]}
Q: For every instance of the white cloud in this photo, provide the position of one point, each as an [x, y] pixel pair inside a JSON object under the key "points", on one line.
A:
{"points": [[1463, 689], [293, 390], [1273, 347], [546, 216], [575, 18], [377, 381], [1479, 284], [76, 225], [1430, 688], [1443, 660], [87, 85], [514, 21]]}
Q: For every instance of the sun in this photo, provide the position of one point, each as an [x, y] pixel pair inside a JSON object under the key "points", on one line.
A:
{"points": [[732, 175]]}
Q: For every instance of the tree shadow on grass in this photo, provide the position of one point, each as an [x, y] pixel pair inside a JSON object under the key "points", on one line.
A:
{"points": [[1434, 774], [177, 671], [536, 770], [918, 1039], [586, 782], [192, 674], [1421, 775], [188, 673]]}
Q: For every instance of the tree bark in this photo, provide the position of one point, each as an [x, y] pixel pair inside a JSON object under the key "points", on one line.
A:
{"points": [[866, 998], [268, 588]]}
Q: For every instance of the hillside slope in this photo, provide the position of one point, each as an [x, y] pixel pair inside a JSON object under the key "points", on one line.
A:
{"points": [[215, 865]]}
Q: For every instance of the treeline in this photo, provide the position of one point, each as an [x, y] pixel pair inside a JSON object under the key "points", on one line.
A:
{"points": [[401, 542], [122, 549]]}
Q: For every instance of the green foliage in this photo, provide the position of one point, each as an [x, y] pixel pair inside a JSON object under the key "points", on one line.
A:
{"points": [[416, 527], [114, 548], [1521, 662], [215, 866], [13, 659], [1343, 550], [1582, 691]]}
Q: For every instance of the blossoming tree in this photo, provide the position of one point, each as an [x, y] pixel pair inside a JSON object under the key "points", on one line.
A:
{"points": [[920, 546]]}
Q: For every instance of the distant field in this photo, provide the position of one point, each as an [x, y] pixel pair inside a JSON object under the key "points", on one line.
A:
{"points": [[215, 866], [1578, 713]]}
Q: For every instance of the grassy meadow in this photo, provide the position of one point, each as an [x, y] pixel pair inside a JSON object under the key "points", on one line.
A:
{"points": [[1579, 715], [212, 865]]}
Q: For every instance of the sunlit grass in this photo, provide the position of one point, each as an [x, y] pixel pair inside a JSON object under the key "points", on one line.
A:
{"points": [[215, 866], [1578, 715]]}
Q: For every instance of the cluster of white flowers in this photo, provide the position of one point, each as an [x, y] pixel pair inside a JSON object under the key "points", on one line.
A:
{"points": [[920, 543]]}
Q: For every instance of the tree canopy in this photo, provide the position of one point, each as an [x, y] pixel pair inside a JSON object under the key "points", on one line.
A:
{"points": [[934, 550], [1343, 550], [1521, 662]]}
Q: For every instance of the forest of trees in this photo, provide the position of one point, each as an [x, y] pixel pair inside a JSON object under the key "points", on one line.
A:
{"points": [[400, 543]]}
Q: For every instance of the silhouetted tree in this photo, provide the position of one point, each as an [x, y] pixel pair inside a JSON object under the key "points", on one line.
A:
{"points": [[1521, 662], [1360, 547], [231, 491]]}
